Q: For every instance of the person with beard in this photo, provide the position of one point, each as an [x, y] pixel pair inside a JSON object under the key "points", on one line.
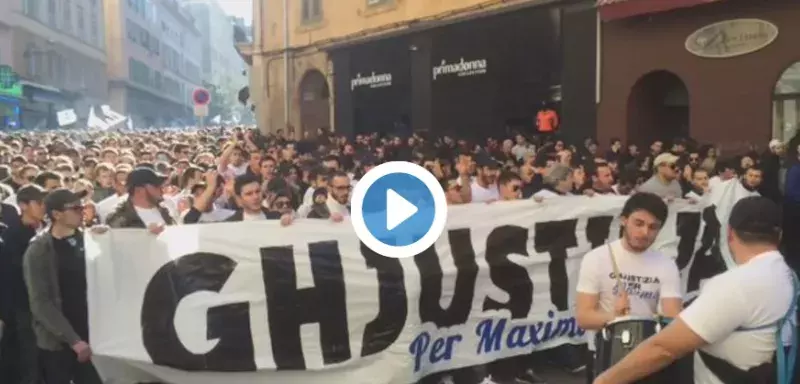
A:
{"points": [[600, 298], [142, 208], [484, 188], [249, 198], [752, 178], [734, 328], [19, 363], [603, 180], [699, 185]]}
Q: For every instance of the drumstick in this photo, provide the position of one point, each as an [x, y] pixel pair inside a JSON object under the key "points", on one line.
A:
{"points": [[615, 267]]}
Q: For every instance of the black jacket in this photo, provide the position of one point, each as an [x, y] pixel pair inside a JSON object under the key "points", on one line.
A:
{"points": [[239, 215]]}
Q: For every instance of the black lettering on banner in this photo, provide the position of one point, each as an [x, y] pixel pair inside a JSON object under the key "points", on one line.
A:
{"points": [[507, 275], [598, 229], [380, 333], [688, 227], [430, 310], [555, 238], [289, 307], [708, 260], [229, 323]]}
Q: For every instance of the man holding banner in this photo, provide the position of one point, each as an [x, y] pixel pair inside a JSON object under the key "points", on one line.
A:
{"points": [[737, 323], [626, 277]]}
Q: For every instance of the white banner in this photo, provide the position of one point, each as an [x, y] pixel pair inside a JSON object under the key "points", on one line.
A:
{"points": [[255, 302]]}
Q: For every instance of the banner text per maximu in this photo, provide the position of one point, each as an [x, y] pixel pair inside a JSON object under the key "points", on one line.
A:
{"points": [[325, 303]]}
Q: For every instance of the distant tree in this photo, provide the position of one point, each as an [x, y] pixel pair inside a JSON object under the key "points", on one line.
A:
{"points": [[222, 101]]}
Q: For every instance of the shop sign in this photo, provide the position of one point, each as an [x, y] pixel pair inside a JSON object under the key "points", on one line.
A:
{"points": [[461, 68], [731, 38], [373, 81]]}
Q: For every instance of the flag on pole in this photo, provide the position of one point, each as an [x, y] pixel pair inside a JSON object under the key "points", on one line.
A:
{"points": [[66, 117], [217, 119], [94, 122]]}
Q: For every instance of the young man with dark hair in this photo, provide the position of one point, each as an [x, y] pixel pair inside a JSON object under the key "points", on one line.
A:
{"points": [[733, 323], [20, 356], [54, 267], [647, 277], [249, 198]]}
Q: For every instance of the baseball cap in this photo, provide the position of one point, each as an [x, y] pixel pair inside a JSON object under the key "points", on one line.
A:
{"points": [[31, 192], [142, 176], [757, 215], [483, 160], [665, 158], [62, 199]]}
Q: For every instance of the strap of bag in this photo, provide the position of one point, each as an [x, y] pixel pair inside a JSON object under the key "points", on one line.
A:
{"points": [[785, 364], [723, 370]]}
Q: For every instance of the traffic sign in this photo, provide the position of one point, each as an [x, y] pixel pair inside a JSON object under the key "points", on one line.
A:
{"points": [[201, 110], [399, 209], [201, 96]]}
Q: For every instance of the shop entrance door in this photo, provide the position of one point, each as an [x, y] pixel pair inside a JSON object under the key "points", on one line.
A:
{"points": [[658, 108], [315, 112]]}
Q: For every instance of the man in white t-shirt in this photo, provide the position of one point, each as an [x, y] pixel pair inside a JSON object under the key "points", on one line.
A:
{"points": [[732, 326], [647, 278], [484, 187]]}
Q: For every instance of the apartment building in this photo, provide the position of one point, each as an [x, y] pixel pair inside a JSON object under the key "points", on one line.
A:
{"points": [[155, 60], [56, 49]]}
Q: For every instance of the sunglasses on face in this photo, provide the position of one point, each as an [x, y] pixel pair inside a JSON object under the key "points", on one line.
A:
{"points": [[694, 158], [281, 204], [515, 187]]}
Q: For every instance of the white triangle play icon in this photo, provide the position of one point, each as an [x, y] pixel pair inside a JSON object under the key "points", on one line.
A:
{"points": [[398, 209]]}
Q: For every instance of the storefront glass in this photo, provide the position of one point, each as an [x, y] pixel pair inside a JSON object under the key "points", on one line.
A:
{"points": [[786, 104]]}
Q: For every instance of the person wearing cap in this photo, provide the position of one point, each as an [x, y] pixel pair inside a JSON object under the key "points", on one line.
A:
{"points": [[54, 268], [20, 355], [664, 181], [484, 188], [143, 208], [741, 316]]}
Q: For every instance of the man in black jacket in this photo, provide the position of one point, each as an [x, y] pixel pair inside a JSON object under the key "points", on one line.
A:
{"points": [[19, 362], [143, 208]]}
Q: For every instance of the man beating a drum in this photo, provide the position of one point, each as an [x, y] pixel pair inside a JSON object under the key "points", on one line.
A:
{"points": [[734, 323], [626, 277]]}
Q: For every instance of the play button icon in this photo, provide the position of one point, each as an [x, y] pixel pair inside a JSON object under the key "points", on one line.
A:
{"points": [[398, 209]]}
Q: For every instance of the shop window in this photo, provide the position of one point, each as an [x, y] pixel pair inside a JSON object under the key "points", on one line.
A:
{"points": [[786, 104]]}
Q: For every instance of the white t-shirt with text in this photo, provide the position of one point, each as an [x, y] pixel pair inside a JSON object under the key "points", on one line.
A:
{"points": [[648, 277]]}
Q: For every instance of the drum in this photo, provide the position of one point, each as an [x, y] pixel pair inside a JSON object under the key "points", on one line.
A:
{"points": [[619, 337], [622, 335]]}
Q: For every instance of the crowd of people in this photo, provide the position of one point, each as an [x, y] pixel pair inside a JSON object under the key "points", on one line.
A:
{"points": [[74, 181]]}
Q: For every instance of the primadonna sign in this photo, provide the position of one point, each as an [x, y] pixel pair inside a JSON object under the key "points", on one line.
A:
{"points": [[372, 81], [461, 68]]}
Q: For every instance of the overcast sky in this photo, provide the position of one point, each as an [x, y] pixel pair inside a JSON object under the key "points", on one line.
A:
{"points": [[238, 8]]}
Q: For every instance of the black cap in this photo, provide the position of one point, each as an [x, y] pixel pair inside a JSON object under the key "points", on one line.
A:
{"points": [[62, 198], [484, 160], [757, 215], [30, 192], [141, 177]]}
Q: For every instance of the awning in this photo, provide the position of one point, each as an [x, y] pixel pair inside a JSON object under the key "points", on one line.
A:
{"points": [[620, 9]]}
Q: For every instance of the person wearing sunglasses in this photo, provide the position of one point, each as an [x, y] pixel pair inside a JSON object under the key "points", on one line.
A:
{"points": [[510, 186], [54, 268], [664, 182]]}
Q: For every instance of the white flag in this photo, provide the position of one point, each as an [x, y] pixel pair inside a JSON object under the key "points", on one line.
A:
{"points": [[217, 119], [94, 122], [66, 117]]}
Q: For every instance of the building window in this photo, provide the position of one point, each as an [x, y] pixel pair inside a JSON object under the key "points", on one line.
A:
{"points": [[51, 13], [31, 8], [786, 104], [93, 27], [67, 15], [81, 22], [312, 11]]}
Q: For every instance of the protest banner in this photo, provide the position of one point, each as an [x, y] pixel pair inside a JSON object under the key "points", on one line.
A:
{"points": [[255, 302]]}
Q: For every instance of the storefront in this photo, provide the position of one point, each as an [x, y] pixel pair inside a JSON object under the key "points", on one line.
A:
{"points": [[10, 95], [473, 77], [726, 73]]}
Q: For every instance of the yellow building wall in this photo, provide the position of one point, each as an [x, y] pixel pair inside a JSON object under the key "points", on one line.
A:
{"points": [[341, 21]]}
